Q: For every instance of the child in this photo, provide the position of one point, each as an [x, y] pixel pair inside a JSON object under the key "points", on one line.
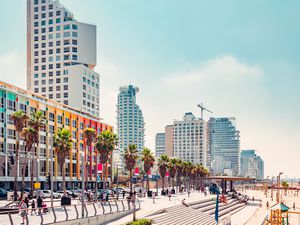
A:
{"points": [[33, 207]]}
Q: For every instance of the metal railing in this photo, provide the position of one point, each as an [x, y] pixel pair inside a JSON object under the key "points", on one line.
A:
{"points": [[50, 215]]}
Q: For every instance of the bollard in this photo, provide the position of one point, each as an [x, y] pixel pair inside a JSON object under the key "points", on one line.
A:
{"points": [[95, 209], [67, 216], [77, 215], [54, 215]]}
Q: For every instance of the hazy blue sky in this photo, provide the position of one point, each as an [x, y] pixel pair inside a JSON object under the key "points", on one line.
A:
{"points": [[241, 58]]}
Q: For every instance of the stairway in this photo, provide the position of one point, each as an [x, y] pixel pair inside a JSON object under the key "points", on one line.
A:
{"points": [[199, 212]]}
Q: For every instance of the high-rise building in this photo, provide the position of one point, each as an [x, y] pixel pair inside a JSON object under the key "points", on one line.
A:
{"points": [[160, 144], [252, 165], [130, 120], [61, 56], [190, 140], [58, 116], [224, 141], [169, 140]]}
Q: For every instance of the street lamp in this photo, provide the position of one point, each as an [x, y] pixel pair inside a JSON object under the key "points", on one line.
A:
{"points": [[278, 186], [272, 189]]}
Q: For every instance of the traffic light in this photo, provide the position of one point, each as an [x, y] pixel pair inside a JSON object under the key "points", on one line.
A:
{"points": [[11, 160], [49, 180]]}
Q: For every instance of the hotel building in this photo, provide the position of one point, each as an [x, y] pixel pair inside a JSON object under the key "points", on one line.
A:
{"points": [[61, 56], [58, 116]]}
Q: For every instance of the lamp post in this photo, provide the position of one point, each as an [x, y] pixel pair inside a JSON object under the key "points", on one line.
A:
{"points": [[82, 186], [51, 168], [278, 187], [267, 186], [272, 189]]}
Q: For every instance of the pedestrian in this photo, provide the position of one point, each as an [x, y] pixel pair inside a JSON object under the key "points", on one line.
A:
{"points": [[189, 192], [33, 207], [267, 204], [128, 201], [170, 195], [23, 210], [167, 191], [27, 202], [39, 204], [124, 194], [294, 206], [153, 197], [253, 198], [140, 191]]}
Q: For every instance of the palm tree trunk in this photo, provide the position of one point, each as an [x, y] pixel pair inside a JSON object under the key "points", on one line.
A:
{"points": [[104, 176], [32, 173], [163, 183], [130, 179], [17, 168], [148, 183], [64, 179], [23, 174]]}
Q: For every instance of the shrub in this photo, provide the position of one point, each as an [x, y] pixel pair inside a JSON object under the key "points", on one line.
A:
{"points": [[140, 222]]}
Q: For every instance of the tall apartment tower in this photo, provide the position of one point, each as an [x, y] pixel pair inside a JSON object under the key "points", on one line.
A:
{"points": [[130, 120], [224, 145], [61, 56], [190, 139], [252, 165], [160, 144]]}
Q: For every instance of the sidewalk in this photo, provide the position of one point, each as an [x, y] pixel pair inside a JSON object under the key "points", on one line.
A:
{"points": [[161, 202]]}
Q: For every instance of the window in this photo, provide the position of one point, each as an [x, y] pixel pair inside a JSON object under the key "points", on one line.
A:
{"points": [[58, 73], [43, 37], [58, 35], [57, 95], [58, 13], [74, 49], [36, 68], [43, 15], [74, 27], [66, 102], [50, 14], [74, 34], [50, 73], [43, 8], [36, 46], [44, 52], [50, 81], [57, 58], [74, 42], [74, 57], [50, 44], [58, 28], [36, 38], [50, 36], [81, 126], [43, 67], [50, 51], [43, 82], [59, 119], [67, 27], [67, 121], [66, 95], [36, 16], [50, 6], [51, 117], [36, 24], [50, 88], [36, 90], [66, 57], [43, 45], [36, 31], [66, 34], [36, 75], [57, 65], [36, 9], [65, 87], [57, 80], [50, 29], [65, 79], [58, 88], [36, 2], [50, 96], [66, 72], [36, 53], [43, 23], [43, 89], [43, 30], [58, 50]]}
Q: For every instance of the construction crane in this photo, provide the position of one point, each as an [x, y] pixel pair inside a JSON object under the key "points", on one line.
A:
{"points": [[202, 109]]}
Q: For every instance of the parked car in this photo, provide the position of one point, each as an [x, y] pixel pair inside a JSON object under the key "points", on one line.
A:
{"points": [[47, 194], [3, 193]]}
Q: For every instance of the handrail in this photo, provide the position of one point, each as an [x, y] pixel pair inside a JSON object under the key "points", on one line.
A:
{"points": [[90, 212]]}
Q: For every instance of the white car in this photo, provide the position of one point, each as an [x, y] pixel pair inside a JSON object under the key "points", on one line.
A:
{"points": [[47, 194]]}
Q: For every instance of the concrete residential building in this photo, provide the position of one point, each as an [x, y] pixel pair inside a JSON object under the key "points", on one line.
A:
{"points": [[252, 165], [224, 145], [58, 115], [169, 140], [130, 120], [190, 139], [160, 144], [61, 56]]}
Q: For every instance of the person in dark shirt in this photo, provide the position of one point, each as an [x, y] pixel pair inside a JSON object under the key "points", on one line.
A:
{"points": [[40, 204]]}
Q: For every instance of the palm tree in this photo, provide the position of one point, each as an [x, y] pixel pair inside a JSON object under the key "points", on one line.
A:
{"points": [[62, 143], [130, 157], [179, 169], [186, 172], [149, 160], [106, 143], [285, 186], [37, 121], [30, 136], [172, 169], [19, 119], [162, 166], [89, 134]]}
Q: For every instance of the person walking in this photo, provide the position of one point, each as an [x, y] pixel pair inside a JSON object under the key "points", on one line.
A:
{"points": [[294, 206], [23, 210], [33, 207], [39, 204], [189, 193], [267, 204], [27, 202], [170, 195], [123, 194]]}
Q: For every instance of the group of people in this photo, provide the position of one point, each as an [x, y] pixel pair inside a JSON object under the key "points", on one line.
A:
{"points": [[24, 206]]}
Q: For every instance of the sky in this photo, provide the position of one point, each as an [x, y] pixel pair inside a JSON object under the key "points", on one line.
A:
{"points": [[240, 58]]}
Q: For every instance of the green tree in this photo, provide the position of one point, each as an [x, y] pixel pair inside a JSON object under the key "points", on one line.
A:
{"points": [[62, 143], [30, 137], [163, 161], [149, 160], [19, 119], [89, 135], [172, 169], [37, 121], [285, 186], [106, 143], [130, 157]]}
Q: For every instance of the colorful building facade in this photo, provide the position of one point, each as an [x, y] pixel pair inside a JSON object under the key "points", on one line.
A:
{"points": [[57, 116]]}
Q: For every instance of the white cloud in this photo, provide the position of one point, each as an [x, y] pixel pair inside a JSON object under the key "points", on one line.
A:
{"points": [[227, 69], [13, 68]]}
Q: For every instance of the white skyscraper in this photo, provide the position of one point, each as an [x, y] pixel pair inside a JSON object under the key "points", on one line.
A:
{"points": [[190, 139], [160, 144], [61, 56], [130, 120]]}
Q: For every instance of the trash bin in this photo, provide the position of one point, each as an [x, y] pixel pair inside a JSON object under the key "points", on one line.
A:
{"points": [[149, 193], [65, 201]]}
